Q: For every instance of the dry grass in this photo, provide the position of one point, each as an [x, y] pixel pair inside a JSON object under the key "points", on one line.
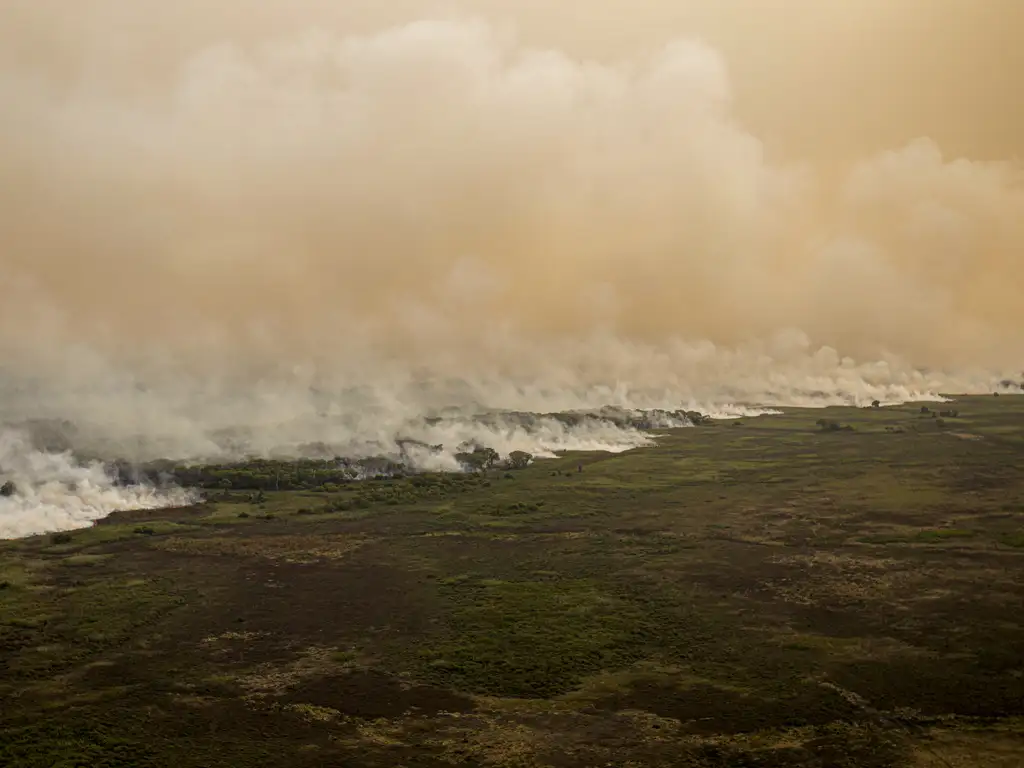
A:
{"points": [[273, 679]]}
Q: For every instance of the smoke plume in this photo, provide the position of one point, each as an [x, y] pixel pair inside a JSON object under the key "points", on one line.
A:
{"points": [[226, 230], [53, 492]]}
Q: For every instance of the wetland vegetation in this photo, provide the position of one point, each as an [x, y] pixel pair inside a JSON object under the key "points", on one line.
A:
{"points": [[772, 592]]}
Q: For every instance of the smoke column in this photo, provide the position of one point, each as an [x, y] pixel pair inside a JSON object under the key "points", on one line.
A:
{"points": [[228, 229]]}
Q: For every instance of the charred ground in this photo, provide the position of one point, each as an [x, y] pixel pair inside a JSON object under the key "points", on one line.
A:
{"points": [[773, 593]]}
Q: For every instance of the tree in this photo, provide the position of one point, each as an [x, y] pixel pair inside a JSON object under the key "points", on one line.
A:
{"points": [[480, 459], [8, 489], [876, 404], [519, 460]]}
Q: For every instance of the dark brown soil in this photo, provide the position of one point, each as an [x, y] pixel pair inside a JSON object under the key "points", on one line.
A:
{"points": [[374, 695], [707, 709]]}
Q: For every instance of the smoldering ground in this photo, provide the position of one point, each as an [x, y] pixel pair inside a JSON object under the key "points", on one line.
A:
{"points": [[301, 226]]}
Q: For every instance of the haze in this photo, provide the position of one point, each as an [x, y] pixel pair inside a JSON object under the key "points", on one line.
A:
{"points": [[219, 215]]}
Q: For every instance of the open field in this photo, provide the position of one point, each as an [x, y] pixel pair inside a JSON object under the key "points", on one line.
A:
{"points": [[769, 593]]}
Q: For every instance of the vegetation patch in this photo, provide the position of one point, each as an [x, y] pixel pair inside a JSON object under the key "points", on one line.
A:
{"points": [[773, 595], [290, 549], [530, 639], [945, 534]]}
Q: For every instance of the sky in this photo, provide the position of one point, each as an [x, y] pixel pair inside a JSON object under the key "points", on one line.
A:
{"points": [[821, 78], [215, 214]]}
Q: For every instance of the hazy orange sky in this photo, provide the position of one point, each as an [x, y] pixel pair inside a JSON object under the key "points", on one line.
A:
{"points": [[812, 77], [645, 193]]}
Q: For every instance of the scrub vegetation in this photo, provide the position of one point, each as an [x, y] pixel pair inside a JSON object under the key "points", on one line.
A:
{"points": [[775, 592]]}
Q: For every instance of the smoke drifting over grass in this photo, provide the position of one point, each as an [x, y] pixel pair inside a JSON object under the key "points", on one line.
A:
{"points": [[337, 237], [53, 492]]}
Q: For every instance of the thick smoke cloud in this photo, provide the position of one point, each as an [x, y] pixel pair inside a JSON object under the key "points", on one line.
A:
{"points": [[253, 242], [54, 492]]}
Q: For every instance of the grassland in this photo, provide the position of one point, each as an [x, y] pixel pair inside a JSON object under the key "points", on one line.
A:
{"points": [[770, 593]]}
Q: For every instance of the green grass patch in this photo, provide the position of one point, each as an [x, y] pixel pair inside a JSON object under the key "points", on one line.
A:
{"points": [[528, 639], [1014, 539], [106, 533], [79, 561], [53, 745], [945, 534]]}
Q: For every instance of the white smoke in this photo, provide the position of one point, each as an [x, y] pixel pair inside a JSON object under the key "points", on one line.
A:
{"points": [[53, 492], [115, 415]]}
